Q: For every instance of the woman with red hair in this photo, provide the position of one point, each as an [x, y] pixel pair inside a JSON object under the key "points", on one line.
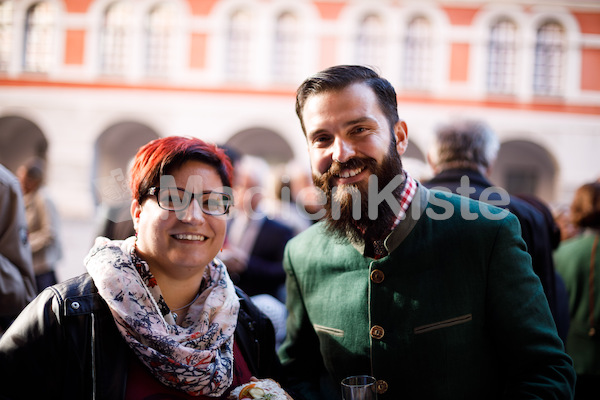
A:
{"points": [[156, 315]]}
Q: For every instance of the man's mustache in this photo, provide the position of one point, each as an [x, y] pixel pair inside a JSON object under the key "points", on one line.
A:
{"points": [[336, 167]]}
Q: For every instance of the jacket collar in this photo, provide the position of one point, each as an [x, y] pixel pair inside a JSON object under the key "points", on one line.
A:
{"points": [[413, 214], [454, 175]]}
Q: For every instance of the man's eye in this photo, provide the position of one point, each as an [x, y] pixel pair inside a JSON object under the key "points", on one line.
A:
{"points": [[320, 139]]}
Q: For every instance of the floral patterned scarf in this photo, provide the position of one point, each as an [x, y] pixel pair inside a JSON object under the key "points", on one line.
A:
{"points": [[197, 357]]}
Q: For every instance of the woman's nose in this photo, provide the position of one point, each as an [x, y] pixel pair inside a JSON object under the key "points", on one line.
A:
{"points": [[193, 213]]}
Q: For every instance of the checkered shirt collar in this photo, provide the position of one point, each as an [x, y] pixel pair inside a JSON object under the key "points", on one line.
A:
{"points": [[406, 197]]}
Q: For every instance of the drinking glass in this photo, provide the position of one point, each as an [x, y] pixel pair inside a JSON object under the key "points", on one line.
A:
{"points": [[359, 387]]}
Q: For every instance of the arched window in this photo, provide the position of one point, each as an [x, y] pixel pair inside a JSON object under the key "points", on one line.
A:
{"points": [[6, 34], [115, 39], [285, 48], [417, 54], [501, 66], [160, 23], [238, 46], [39, 38], [370, 42], [549, 55]]}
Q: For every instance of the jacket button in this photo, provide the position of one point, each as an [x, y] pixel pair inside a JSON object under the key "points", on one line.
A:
{"points": [[382, 386], [377, 332], [75, 305], [377, 276]]}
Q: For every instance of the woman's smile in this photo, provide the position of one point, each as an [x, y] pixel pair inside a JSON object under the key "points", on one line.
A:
{"points": [[190, 237]]}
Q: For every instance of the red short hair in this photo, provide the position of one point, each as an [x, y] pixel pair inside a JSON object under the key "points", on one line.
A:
{"points": [[161, 156]]}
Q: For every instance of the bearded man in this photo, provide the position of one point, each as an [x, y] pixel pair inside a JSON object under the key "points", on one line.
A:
{"points": [[431, 293]]}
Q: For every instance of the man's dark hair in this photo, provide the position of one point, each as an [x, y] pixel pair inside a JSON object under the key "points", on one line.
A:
{"points": [[341, 76]]}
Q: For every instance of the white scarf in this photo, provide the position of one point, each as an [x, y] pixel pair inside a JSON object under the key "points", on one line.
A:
{"points": [[197, 357]]}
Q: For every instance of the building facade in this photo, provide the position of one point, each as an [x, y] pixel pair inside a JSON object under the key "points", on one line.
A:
{"points": [[84, 83]]}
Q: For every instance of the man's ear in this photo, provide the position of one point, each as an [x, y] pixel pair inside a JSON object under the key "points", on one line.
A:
{"points": [[401, 134], [135, 210]]}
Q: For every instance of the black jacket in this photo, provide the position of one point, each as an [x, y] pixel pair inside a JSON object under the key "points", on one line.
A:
{"points": [[65, 345]]}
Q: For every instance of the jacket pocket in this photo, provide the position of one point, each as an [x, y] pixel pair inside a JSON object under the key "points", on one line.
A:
{"points": [[443, 324], [329, 331]]}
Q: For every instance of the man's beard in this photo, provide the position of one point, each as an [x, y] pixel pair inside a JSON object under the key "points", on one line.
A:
{"points": [[340, 220]]}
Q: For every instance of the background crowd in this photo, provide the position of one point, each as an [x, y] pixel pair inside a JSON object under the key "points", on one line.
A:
{"points": [[274, 204]]}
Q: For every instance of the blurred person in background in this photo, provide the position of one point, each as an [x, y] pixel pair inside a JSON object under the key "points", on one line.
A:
{"points": [[300, 201], [578, 261], [256, 237], [562, 217], [17, 280], [156, 315], [462, 156], [43, 222], [561, 316], [114, 217], [253, 250]]}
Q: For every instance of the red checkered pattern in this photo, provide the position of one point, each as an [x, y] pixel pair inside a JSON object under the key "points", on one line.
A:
{"points": [[406, 198]]}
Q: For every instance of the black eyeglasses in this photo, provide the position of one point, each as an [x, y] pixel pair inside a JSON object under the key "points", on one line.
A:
{"points": [[176, 199]]}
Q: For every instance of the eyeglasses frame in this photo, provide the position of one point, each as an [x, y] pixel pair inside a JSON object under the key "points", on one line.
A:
{"points": [[154, 191]]}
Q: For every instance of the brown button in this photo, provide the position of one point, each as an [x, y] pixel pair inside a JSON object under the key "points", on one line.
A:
{"points": [[377, 276], [382, 386], [377, 332]]}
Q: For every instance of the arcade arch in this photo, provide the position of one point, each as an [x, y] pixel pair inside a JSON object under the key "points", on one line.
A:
{"points": [[264, 143], [415, 162], [113, 150], [20, 139], [524, 167]]}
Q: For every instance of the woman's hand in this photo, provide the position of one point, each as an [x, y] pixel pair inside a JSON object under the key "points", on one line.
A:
{"points": [[254, 379]]}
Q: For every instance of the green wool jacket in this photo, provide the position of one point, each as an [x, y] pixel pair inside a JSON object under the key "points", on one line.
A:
{"points": [[453, 312], [572, 260]]}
